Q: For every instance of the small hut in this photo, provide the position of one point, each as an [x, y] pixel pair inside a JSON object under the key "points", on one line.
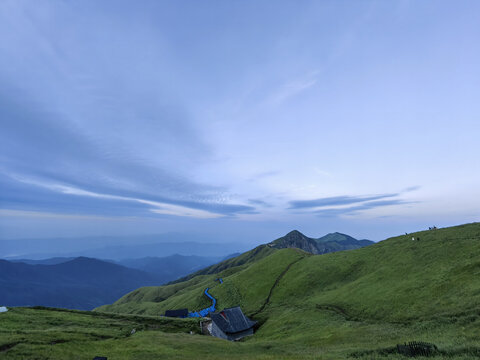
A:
{"points": [[179, 313], [231, 324]]}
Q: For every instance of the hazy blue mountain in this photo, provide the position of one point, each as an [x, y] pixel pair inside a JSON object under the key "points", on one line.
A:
{"points": [[170, 267], [162, 250], [231, 256], [342, 238], [118, 248], [81, 283], [50, 261], [337, 242], [328, 243]]}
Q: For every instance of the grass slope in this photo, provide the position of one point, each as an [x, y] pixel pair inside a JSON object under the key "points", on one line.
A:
{"points": [[238, 290], [352, 304], [395, 291], [397, 279], [233, 263], [56, 334]]}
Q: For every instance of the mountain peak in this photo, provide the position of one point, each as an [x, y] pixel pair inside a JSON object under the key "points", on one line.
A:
{"points": [[294, 234], [295, 239], [329, 243]]}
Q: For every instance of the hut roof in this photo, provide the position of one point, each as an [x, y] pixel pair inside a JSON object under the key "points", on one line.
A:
{"points": [[177, 313], [232, 320]]}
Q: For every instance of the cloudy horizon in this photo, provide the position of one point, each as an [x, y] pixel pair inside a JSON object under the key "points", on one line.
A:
{"points": [[241, 120]]}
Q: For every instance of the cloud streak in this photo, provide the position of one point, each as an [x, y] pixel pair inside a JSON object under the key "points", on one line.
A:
{"points": [[336, 200], [352, 210], [58, 166], [55, 195], [293, 88]]}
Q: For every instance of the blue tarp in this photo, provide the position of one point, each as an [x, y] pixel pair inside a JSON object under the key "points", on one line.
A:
{"points": [[206, 311]]}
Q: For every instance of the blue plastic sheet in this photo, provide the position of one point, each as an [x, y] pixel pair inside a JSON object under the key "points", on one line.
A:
{"points": [[206, 311]]}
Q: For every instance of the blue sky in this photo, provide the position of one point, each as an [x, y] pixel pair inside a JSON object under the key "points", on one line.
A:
{"points": [[239, 119]]}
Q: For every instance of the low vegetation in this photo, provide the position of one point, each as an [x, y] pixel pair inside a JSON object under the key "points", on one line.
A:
{"points": [[352, 304]]}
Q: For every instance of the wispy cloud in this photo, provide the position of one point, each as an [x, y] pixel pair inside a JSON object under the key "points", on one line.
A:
{"points": [[349, 205], [263, 175], [293, 88], [336, 200], [411, 188], [352, 210], [58, 216], [36, 194], [259, 202]]}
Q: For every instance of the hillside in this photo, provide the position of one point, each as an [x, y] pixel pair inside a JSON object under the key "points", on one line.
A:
{"points": [[326, 244], [188, 292], [343, 305], [81, 283], [57, 334], [363, 300], [235, 264]]}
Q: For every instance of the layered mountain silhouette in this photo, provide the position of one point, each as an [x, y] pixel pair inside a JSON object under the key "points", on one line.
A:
{"points": [[118, 248], [85, 283], [329, 243], [81, 283], [172, 267], [294, 239]]}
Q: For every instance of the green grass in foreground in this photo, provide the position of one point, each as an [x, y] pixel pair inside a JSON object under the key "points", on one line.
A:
{"points": [[52, 334]]}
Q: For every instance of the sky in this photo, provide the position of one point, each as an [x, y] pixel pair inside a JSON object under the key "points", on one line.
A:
{"points": [[238, 120]]}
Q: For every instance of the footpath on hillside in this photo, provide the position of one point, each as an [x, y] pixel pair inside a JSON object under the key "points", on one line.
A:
{"points": [[275, 284], [208, 310], [204, 312]]}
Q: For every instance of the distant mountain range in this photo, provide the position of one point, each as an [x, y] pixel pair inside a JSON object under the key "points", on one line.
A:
{"points": [[189, 248], [40, 249], [170, 267], [329, 243], [81, 283], [50, 261], [86, 283], [166, 268]]}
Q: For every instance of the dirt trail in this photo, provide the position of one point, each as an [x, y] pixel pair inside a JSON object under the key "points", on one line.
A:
{"points": [[6, 347], [277, 280]]}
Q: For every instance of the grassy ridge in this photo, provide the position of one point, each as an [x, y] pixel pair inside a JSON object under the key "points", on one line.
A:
{"points": [[189, 293], [247, 285], [392, 292], [250, 287], [395, 280], [232, 265]]}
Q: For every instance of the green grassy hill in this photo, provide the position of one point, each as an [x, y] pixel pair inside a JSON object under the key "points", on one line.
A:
{"points": [[250, 277], [351, 304]]}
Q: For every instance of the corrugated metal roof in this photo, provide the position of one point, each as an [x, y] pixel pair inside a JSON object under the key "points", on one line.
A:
{"points": [[232, 320], [177, 313]]}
